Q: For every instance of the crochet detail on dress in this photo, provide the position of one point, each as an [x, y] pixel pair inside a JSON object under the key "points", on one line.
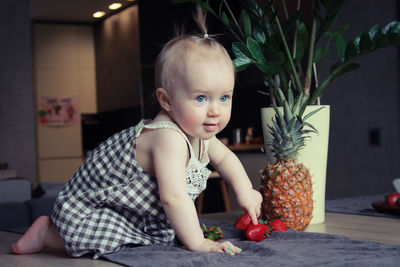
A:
{"points": [[196, 178], [196, 171]]}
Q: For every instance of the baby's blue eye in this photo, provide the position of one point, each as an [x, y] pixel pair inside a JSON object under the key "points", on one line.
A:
{"points": [[200, 98], [224, 98]]}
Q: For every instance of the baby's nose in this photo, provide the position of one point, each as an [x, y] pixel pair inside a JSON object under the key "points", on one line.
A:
{"points": [[214, 110]]}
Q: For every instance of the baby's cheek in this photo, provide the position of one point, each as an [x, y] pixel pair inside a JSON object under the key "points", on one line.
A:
{"points": [[192, 120], [225, 118]]}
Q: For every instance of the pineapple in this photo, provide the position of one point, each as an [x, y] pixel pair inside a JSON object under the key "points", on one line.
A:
{"points": [[286, 184]]}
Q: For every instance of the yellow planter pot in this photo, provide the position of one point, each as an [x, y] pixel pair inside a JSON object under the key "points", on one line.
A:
{"points": [[314, 155]]}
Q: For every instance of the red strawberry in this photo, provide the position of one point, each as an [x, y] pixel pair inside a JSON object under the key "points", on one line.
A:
{"points": [[392, 199], [243, 221], [278, 225], [213, 233], [257, 232]]}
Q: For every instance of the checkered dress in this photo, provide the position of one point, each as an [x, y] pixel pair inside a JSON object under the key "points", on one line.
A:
{"points": [[110, 203]]}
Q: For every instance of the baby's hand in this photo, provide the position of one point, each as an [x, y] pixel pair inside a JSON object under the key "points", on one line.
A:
{"points": [[250, 201], [210, 246]]}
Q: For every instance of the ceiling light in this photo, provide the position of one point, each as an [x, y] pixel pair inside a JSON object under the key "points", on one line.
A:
{"points": [[114, 6], [99, 14]]}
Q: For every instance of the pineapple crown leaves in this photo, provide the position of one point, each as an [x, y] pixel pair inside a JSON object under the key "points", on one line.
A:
{"points": [[213, 232], [288, 128]]}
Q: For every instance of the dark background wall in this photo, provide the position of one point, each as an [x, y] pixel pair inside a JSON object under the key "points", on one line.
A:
{"points": [[17, 125], [118, 61], [364, 146]]}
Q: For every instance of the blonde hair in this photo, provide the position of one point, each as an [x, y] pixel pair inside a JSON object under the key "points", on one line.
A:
{"points": [[174, 51]]}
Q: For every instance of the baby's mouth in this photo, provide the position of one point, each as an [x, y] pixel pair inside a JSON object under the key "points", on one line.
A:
{"points": [[210, 127]]}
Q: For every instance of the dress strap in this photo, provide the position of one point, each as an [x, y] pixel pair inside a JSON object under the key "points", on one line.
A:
{"points": [[163, 125]]}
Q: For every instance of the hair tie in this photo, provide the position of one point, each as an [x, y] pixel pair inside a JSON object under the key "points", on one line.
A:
{"points": [[205, 36]]}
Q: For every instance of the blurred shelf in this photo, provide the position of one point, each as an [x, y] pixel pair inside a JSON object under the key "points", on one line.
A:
{"points": [[247, 148]]}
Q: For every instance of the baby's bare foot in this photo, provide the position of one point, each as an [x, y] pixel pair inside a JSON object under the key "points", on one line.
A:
{"points": [[33, 240]]}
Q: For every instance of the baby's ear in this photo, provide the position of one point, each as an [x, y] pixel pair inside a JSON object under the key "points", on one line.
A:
{"points": [[163, 98]]}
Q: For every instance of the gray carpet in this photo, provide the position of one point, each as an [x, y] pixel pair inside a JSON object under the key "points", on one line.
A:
{"points": [[280, 249], [358, 205]]}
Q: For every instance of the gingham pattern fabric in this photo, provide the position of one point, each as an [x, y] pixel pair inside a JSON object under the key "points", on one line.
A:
{"points": [[111, 203]]}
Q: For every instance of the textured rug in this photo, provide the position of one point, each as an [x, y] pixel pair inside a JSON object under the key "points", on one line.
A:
{"points": [[280, 249]]}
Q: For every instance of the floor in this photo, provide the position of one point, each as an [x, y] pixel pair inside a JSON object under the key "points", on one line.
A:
{"points": [[47, 258]]}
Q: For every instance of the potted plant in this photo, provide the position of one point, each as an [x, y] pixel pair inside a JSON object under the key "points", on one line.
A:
{"points": [[286, 50]]}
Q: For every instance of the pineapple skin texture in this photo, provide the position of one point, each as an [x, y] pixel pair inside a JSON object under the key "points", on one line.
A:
{"points": [[286, 189]]}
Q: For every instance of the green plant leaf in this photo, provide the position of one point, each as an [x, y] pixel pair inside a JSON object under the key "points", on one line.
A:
{"points": [[241, 63], [269, 67], [365, 43], [320, 53], [340, 47], [302, 41], [274, 43], [259, 35], [262, 67], [338, 31], [392, 31], [382, 40], [330, 15], [255, 50], [254, 8], [246, 23], [374, 33], [392, 26], [225, 19], [240, 50], [350, 51], [267, 21], [341, 29], [291, 21], [243, 56]]}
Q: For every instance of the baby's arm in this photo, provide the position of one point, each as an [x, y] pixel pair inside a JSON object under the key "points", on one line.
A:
{"points": [[170, 156], [231, 169]]}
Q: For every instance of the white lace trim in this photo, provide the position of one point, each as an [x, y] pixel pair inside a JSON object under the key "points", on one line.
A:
{"points": [[196, 178], [196, 172]]}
